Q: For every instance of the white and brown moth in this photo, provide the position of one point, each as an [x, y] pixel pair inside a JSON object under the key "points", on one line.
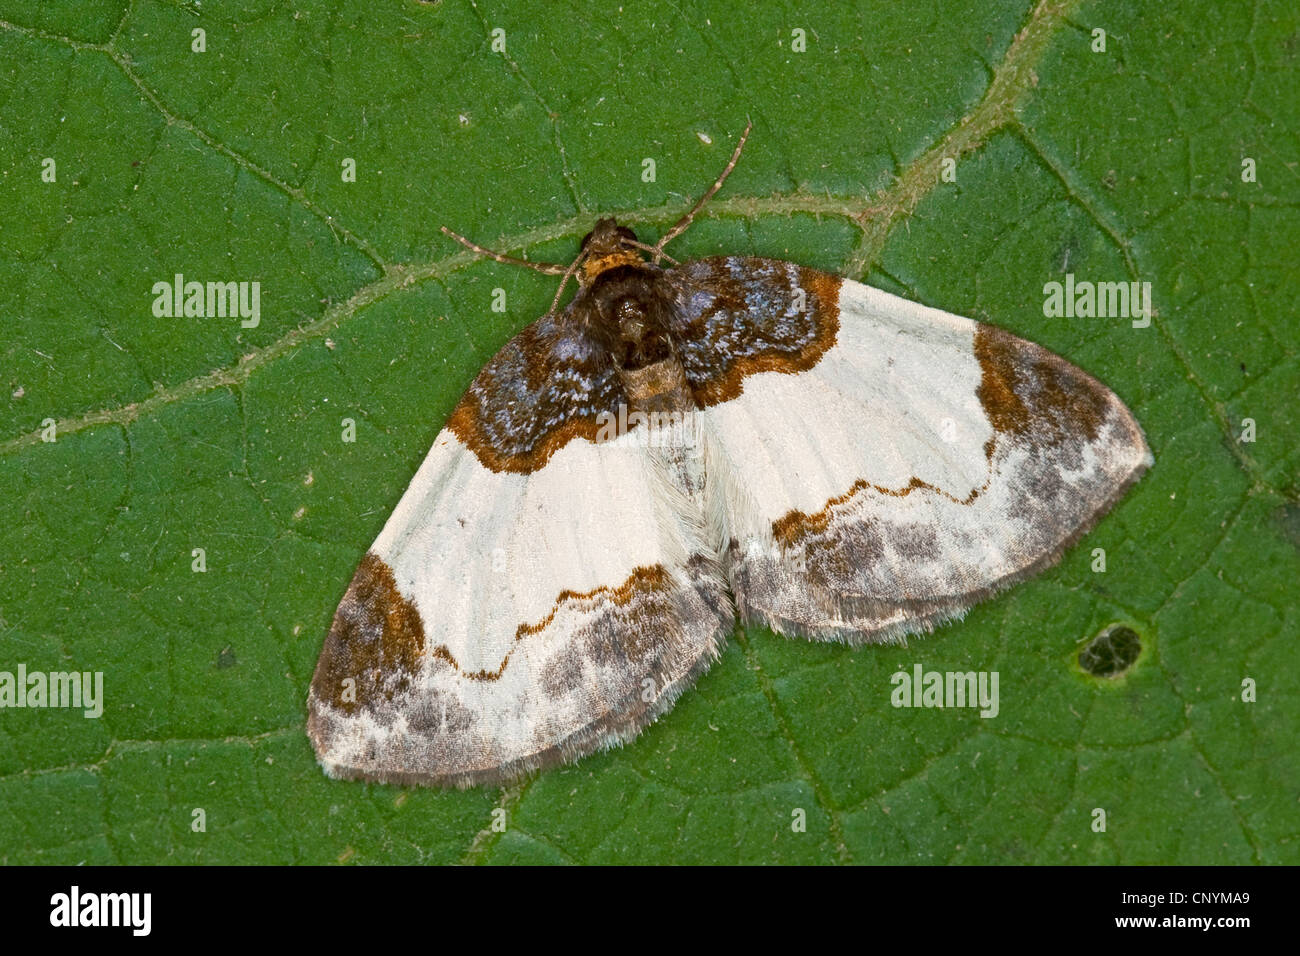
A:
{"points": [[679, 449]]}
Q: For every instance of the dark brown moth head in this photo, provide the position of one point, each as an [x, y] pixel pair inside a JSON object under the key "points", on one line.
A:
{"points": [[623, 296]]}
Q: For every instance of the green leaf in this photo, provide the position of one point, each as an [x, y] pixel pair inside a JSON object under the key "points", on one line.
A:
{"points": [[176, 434]]}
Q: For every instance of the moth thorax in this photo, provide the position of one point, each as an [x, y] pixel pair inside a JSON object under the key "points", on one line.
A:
{"points": [[637, 322], [633, 323]]}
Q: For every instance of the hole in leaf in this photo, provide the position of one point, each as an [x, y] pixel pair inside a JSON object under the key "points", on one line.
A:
{"points": [[1111, 652]]}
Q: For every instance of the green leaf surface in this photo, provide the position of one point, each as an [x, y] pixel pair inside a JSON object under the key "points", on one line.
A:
{"points": [[174, 434]]}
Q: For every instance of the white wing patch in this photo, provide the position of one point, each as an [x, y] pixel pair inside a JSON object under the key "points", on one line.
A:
{"points": [[870, 405], [892, 486], [555, 612]]}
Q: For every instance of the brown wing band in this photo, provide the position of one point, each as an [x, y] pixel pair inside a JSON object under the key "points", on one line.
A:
{"points": [[823, 305]]}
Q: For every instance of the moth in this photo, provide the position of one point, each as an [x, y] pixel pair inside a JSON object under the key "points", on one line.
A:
{"points": [[684, 448]]}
